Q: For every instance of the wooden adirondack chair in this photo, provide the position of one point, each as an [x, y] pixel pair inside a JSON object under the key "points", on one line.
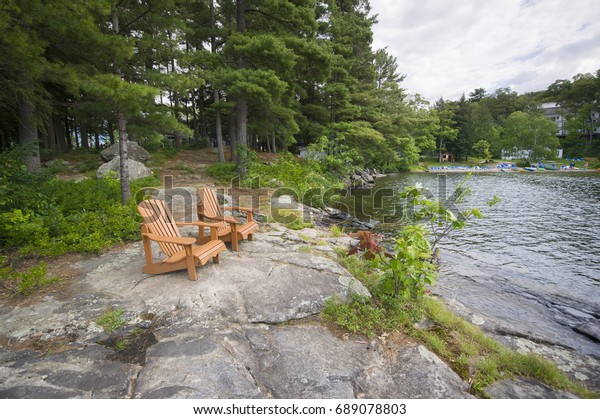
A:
{"points": [[234, 231], [181, 252]]}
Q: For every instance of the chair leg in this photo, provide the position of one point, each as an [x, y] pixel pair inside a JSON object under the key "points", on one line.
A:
{"points": [[191, 264], [217, 259], [234, 238], [250, 237]]}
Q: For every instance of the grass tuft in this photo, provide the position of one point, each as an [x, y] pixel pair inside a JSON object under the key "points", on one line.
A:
{"points": [[111, 320]]}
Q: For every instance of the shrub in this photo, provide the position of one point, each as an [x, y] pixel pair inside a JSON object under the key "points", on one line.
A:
{"points": [[223, 172], [305, 177], [26, 282], [409, 268], [46, 216]]}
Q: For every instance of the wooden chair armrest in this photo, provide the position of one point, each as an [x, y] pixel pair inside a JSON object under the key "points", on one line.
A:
{"points": [[225, 218], [202, 224], [183, 241], [247, 210], [241, 209]]}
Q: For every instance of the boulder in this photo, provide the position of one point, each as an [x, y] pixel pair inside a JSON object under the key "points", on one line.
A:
{"points": [[137, 170], [134, 152]]}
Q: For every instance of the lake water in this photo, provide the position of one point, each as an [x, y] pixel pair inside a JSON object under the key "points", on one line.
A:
{"points": [[531, 266]]}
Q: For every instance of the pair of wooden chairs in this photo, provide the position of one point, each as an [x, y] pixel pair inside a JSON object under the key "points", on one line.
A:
{"points": [[187, 252]]}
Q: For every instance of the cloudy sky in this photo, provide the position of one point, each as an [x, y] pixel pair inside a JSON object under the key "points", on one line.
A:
{"points": [[447, 47]]}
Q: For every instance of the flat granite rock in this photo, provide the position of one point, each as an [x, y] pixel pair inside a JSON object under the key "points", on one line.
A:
{"points": [[301, 361], [522, 388], [247, 329], [85, 372]]}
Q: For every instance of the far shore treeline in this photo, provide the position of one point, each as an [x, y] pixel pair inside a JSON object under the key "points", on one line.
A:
{"points": [[267, 75]]}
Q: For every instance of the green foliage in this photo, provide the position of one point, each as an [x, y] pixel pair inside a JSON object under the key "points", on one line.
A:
{"points": [[162, 156], [361, 269], [24, 282], [291, 219], [111, 320], [408, 269], [334, 157], [358, 316], [482, 149], [303, 177], [223, 172], [337, 231], [530, 131], [41, 215]]}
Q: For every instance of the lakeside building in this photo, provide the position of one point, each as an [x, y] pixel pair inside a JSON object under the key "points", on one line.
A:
{"points": [[554, 112], [515, 154], [558, 114]]}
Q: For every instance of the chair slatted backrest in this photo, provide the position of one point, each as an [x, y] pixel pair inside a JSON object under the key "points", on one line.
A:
{"points": [[158, 220], [208, 198]]}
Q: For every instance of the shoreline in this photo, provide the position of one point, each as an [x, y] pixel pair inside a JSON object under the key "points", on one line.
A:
{"points": [[496, 170]]}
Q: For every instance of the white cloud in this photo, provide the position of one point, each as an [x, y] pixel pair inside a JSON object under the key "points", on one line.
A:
{"points": [[450, 48]]}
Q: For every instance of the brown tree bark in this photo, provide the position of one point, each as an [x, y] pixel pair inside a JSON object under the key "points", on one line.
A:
{"points": [[51, 137], [242, 105], [28, 135], [122, 123], [213, 48], [233, 137]]}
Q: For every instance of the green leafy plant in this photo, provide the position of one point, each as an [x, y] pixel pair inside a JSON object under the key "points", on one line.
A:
{"points": [[409, 268], [25, 282]]}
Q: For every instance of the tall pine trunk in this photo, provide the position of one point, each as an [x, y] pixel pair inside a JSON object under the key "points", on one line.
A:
{"points": [[61, 137], [51, 137], [28, 135], [122, 123], [232, 137], [124, 164], [213, 48], [242, 105], [85, 138], [111, 133]]}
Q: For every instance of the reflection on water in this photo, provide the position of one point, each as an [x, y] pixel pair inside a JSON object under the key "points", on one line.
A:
{"points": [[532, 264]]}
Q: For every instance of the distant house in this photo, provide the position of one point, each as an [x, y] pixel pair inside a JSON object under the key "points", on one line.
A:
{"points": [[446, 158], [554, 112], [515, 154]]}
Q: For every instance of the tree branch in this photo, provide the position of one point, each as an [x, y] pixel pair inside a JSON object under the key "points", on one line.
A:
{"points": [[285, 22], [138, 18]]}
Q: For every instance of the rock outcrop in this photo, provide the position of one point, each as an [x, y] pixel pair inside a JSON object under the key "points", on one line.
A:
{"points": [[137, 170], [231, 334], [134, 152]]}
